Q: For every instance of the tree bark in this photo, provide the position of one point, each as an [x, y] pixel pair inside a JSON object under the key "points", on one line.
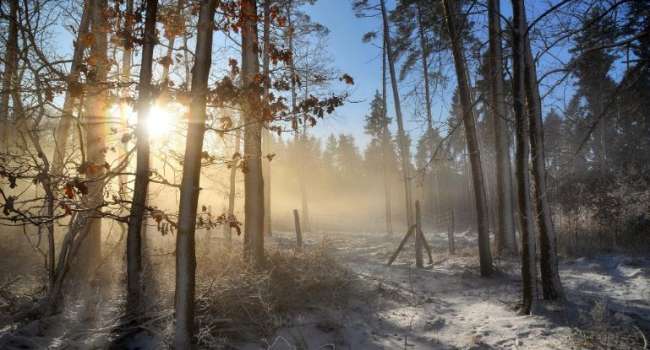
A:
{"points": [[385, 141], [435, 203], [253, 181], [136, 217], [185, 246], [96, 128], [472, 139], [8, 76], [505, 232], [528, 265], [233, 186], [266, 134], [551, 284], [405, 154]]}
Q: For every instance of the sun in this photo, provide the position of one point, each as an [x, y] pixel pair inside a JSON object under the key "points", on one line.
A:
{"points": [[160, 121]]}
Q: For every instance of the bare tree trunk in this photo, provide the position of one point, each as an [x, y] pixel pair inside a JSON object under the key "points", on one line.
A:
{"points": [[528, 265], [185, 247], [505, 232], [427, 97], [253, 181], [472, 139], [62, 132], [551, 284], [266, 134], [8, 76], [233, 186], [405, 154], [385, 143], [96, 127], [136, 217]]}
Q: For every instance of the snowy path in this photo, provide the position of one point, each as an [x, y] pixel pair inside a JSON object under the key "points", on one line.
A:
{"points": [[448, 306]]}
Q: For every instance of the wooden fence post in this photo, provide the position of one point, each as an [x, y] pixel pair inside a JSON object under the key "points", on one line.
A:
{"points": [[450, 233], [296, 221]]}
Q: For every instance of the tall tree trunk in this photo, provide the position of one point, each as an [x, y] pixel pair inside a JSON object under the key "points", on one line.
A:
{"points": [[232, 191], [185, 247], [96, 127], [385, 143], [62, 132], [505, 231], [427, 97], [253, 181], [551, 284], [301, 136], [125, 79], [528, 265], [451, 10], [405, 154], [8, 76], [136, 217], [266, 134]]}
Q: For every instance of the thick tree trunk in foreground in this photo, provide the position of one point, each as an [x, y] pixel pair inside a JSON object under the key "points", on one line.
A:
{"points": [[8, 76], [551, 284], [96, 126], [528, 265], [405, 154], [136, 217], [471, 136], [266, 134], [62, 132], [253, 181], [185, 249], [505, 230]]}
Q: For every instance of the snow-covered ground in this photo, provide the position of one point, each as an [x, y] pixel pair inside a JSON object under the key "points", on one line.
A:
{"points": [[447, 305]]}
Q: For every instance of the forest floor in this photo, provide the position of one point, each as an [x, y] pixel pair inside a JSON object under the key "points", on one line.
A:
{"points": [[445, 305]]}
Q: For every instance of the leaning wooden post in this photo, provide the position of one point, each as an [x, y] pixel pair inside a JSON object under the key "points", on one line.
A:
{"points": [[296, 220], [450, 233], [401, 245], [418, 236]]}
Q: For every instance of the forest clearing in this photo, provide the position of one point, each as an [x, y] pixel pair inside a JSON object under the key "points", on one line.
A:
{"points": [[324, 174]]}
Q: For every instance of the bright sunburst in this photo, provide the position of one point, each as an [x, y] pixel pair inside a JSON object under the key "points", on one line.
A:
{"points": [[160, 121]]}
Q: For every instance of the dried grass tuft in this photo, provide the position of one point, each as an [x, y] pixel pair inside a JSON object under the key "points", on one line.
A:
{"points": [[236, 302]]}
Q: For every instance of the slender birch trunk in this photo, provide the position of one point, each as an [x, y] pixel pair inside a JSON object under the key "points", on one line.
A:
{"points": [[136, 217], [528, 265], [253, 181], [505, 232], [551, 284], [485, 256], [185, 244], [405, 154]]}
